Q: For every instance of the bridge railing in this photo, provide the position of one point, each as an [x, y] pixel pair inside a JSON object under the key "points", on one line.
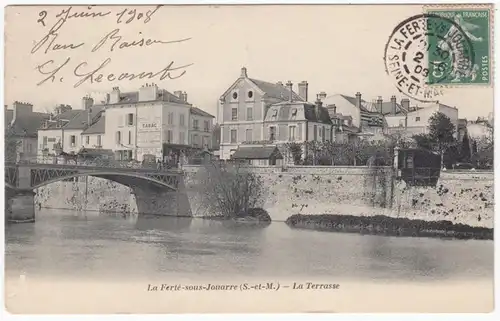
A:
{"points": [[69, 162]]}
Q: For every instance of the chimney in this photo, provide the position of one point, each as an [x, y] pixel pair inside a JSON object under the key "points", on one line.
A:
{"points": [[405, 104], [184, 97], [303, 90], [358, 100], [379, 105], [290, 88], [322, 95], [107, 98], [87, 102], [89, 116], [243, 73], [114, 96], [21, 109], [393, 105]]}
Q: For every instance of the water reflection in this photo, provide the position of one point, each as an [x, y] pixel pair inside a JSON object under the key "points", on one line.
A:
{"points": [[102, 245]]}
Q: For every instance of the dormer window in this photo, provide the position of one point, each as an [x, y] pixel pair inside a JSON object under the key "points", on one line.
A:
{"points": [[294, 111], [275, 113], [250, 94], [235, 95]]}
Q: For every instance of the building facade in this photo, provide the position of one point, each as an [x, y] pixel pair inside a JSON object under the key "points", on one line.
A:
{"points": [[153, 121], [256, 112], [21, 130]]}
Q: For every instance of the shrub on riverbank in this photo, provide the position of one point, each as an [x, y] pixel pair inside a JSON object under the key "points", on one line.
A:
{"points": [[385, 225], [230, 190]]}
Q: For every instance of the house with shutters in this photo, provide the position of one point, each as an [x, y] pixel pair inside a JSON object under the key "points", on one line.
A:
{"points": [[263, 114]]}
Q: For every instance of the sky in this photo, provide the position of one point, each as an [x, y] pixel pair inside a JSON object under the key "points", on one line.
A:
{"points": [[336, 48]]}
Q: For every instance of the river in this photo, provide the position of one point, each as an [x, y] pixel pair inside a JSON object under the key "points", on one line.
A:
{"points": [[65, 245]]}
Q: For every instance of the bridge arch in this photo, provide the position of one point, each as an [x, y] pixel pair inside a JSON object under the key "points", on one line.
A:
{"points": [[106, 175]]}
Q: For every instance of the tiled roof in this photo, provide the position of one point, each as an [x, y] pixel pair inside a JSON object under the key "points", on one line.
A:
{"points": [[132, 97], [200, 112], [28, 124], [257, 152], [372, 106], [66, 116], [98, 127], [275, 91], [80, 120]]}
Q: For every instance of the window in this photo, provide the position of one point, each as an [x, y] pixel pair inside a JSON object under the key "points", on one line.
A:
{"points": [[203, 141], [291, 133], [248, 135], [182, 138], [234, 114], [275, 113], [72, 140], [328, 134], [195, 140], [233, 136], [294, 111], [206, 126], [118, 137], [401, 123], [44, 141], [87, 140], [417, 118], [130, 119], [169, 136], [250, 94], [170, 118], [98, 140], [315, 132], [195, 124], [235, 95], [249, 113], [272, 133], [322, 134], [181, 119], [129, 137]]}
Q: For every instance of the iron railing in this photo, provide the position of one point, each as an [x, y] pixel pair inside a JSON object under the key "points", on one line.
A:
{"points": [[69, 162]]}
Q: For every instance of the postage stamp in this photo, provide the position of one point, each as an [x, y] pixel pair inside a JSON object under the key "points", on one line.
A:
{"points": [[442, 47], [475, 23]]}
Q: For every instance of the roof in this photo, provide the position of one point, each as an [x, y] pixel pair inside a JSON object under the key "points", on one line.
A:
{"points": [[373, 106], [80, 121], [66, 116], [305, 111], [277, 91], [27, 124], [95, 152], [257, 152], [98, 127], [132, 97], [200, 112]]}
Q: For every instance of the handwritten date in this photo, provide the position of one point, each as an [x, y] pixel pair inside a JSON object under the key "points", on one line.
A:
{"points": [[97, 75]]}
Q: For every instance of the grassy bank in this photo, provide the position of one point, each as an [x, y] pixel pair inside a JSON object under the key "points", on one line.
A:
{"points": [[384, 225]]}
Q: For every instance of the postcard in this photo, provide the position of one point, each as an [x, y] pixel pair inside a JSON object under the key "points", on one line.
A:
{"points": [[249, 158]]}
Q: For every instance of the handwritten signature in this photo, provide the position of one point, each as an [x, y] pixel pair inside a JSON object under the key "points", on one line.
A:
{"points": [[117, 42], [97, 75]]}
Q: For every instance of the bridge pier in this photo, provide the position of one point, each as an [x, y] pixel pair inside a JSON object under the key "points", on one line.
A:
{"points": [[20, 207], [152, 201]]}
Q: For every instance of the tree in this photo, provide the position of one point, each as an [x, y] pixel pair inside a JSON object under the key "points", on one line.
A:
{"points": [[11, 145], [465, 153], [441, 131], [229, 189], [424, 141], [295, 149]]}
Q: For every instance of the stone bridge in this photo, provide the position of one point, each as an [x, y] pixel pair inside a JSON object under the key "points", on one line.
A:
{"points": [[157, 191]]}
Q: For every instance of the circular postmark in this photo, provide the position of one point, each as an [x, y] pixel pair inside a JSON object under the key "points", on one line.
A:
{"points": [[427, 50]]}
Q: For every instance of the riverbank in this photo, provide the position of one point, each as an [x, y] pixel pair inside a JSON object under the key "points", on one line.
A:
{"points": [[389, 226]]}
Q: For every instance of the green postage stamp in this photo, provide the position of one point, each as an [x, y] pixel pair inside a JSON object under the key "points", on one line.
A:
{"points": [[462, 53]]}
